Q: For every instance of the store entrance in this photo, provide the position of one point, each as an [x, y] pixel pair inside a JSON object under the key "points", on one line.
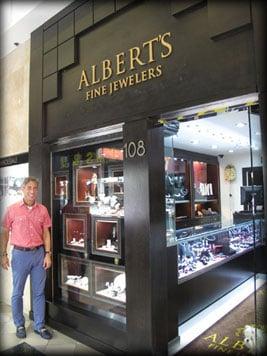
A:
{"points": [[214, 200]]}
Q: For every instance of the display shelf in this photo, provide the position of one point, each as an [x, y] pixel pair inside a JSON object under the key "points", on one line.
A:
{"points": [[74, 274], [106, 236], [109, 283], [75, 232]]}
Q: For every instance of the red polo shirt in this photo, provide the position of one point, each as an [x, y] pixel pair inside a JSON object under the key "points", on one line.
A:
{"points": [[26, 224]]}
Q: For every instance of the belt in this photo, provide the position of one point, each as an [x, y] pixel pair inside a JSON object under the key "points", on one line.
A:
{"points": [[27, 248]]}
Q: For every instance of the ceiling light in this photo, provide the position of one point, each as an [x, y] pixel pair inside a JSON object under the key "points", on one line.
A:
{"points": [[231, 151], [240, 124], [257, 133], [214, 147]]}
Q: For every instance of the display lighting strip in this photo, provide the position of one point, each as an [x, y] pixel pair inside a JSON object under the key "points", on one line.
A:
{"points": [[213, 109]]}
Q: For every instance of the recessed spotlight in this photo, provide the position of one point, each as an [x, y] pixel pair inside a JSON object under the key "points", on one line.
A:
{"points": [[214, 147], [257, 133], [240, 124], [231, 151], [16, 44]]}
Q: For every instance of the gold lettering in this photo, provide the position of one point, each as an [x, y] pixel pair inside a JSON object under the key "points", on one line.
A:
{"points": [[97, 92], [120, 63], [88, 95], [144, 75], [222, 348], [123, 82], [104, 90], [107, 70], [134, 57], [213, 337], [151, 49], [131, 80], [166, 44], [158, 70], [83, 80], [151, 73], [138, 78], [223, 341], [94, 80], [239, 345], [116, 85]]}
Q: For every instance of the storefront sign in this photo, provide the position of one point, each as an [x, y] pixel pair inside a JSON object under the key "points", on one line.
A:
{"points": [[118, 69]]}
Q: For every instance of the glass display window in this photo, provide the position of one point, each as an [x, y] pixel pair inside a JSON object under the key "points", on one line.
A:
{"points": [[75, 232], [116, 180], [208, 158], [88, 221], [86, 185], [106, 236], [61, 185], [109, 283], [74, 274]]}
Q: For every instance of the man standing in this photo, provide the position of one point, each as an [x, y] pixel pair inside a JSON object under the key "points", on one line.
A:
{"points": [[27, 224]]}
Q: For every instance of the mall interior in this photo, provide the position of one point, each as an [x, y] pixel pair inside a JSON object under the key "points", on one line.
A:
{"points": [[148, 141]]}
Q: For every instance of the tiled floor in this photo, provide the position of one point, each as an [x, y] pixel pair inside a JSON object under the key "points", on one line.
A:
{"points": [[59, 344]]}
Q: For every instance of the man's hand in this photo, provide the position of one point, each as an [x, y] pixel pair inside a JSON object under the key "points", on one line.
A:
{"points": [[47, 261], [5, 262]]}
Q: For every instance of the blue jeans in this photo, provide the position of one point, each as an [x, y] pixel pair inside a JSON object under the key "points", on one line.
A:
{"points": [[26, 263]]}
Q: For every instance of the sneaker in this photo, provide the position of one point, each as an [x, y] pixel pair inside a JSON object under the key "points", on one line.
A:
{"points": [[44, 333], [21, 332]]}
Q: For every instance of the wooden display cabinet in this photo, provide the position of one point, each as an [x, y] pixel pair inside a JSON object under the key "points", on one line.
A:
{"points": [[74, 274], [75, 232], [106, 236], [85, 184], [109, 283], [200, 181]]}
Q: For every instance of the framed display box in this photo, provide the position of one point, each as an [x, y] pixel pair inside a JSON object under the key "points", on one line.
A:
{"points": [[75, 232], [85, 184], [74, 274], [115, 172], [106, 236], [61, 185], [109, 283]]}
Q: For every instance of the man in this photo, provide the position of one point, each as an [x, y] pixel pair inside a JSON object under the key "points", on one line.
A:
{"points": [[27, 224]]}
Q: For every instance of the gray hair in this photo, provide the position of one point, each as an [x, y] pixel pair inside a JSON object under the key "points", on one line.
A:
{"points": [[30, 179]]}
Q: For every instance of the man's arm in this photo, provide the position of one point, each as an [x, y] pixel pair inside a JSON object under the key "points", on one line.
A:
{"points": [[47, 246], [4, 242]]}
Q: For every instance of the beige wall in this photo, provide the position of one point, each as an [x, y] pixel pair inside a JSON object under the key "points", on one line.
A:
{"points": [[14, 95]]}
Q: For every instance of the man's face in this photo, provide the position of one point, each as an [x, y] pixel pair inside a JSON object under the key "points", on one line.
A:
{"points": [[30, 191]]}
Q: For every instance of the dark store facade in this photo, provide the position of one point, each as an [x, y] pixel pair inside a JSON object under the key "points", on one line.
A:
{"points": [[112, 85]]}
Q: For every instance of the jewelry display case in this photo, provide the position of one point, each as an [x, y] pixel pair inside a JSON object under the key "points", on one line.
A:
{"points": [[109, 283], [106, 236], [75, 232], [88, 226], [61, 185], [85, 184], [116, 180], [74, 274], [197, 253]]}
